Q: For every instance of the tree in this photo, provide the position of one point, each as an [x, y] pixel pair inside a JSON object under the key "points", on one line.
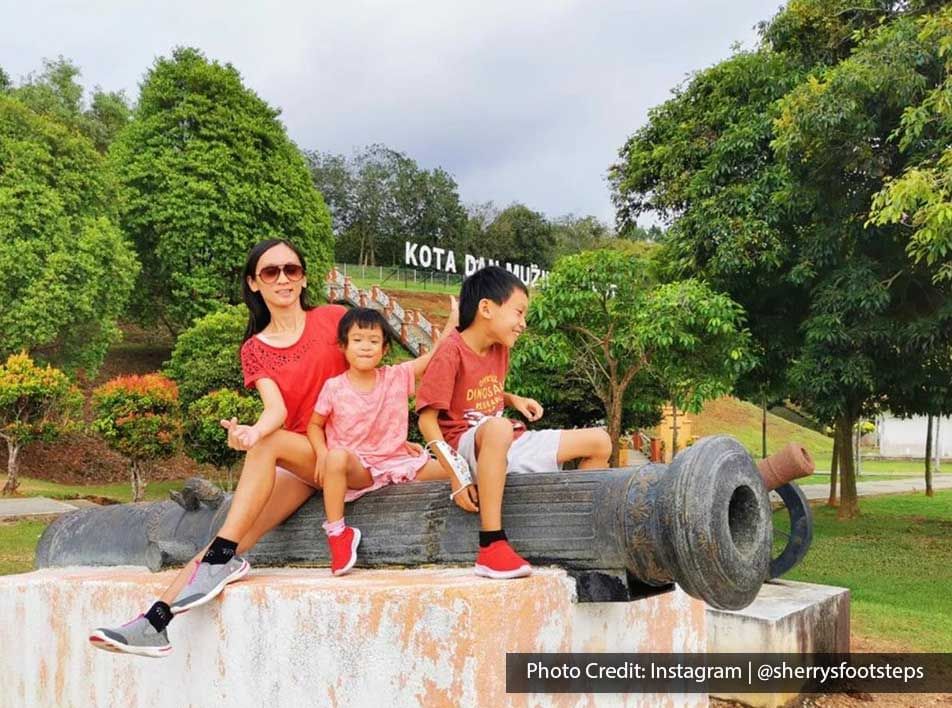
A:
{"points": [[206, 355], [57, 94], [767, 165], [600, 321], [380, 197], [520, 235], [36, 403], [205, 439], [68, 271], [138, 416], [573, 234], [5, 83], [206, 170]]}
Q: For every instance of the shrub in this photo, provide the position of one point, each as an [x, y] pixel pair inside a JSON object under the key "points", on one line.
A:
{"points": [[138, 416]]}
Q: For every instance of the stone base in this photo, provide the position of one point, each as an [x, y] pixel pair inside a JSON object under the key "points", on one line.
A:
{"points": [[786, 617], [300, 637]]}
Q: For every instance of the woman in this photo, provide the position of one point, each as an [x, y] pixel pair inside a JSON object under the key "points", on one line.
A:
{"points": [[290, 350]]}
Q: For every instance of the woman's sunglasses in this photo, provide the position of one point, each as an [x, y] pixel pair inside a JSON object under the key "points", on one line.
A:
{"points": [[270, 274]]}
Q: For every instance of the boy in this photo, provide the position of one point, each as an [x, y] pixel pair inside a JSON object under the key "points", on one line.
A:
{"points": [[461, 400]]}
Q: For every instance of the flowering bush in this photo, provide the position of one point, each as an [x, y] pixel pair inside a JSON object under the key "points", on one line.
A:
{"points": [[138, 416], [36, 403]]}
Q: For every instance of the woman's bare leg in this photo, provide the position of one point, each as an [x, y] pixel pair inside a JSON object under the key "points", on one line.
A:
{"points": [[290, 450], [287, 496]]}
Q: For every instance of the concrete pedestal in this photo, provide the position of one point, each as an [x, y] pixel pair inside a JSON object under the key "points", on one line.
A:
{"points": [[300, 637], [786, 617]]}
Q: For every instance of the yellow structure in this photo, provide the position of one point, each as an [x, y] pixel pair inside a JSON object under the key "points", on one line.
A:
{"points": [[665, 431]]}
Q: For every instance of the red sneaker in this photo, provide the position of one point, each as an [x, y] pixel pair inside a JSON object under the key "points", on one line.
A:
{"points": [[344, 550], [498, 560]]}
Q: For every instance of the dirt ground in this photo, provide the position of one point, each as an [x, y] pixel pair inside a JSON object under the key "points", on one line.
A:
{"points": [[862, 644]]}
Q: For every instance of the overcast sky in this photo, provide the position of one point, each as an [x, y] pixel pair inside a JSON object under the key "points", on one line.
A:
{"points": [[519, 101]]}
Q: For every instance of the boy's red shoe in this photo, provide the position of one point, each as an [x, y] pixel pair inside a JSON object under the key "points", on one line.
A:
{"points": [[498, 560], [344, 550]]}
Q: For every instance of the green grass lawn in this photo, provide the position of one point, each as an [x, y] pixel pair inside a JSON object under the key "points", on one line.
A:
{"points": [[17, 545], [437, 285], [896, 559]]}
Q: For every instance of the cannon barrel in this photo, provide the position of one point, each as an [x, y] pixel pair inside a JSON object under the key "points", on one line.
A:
{"points": [[703, 522]]}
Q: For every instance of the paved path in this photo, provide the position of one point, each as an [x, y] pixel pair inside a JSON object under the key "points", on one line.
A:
{"points": [[32, 506], [886, 486]]}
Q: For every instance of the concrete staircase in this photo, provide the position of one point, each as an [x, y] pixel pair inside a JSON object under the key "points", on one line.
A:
{"points": [[410, 327]]}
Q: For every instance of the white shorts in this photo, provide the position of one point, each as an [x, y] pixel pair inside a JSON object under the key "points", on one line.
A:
{"points": [[533, 451]]}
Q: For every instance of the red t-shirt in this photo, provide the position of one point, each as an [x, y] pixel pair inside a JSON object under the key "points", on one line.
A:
{"points": [[301, 369], [465, 387]]}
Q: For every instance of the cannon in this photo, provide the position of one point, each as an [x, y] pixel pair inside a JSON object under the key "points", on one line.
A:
{"points": [[703, 522]]}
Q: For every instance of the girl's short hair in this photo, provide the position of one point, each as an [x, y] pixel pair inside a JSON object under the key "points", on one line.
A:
{"points": [[363, 318]]}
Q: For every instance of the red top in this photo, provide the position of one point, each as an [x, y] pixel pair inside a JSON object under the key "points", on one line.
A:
{"points": [[465, 387], [301, 369]]}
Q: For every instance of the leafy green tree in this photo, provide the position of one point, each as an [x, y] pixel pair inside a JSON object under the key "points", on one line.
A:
{"points": [[36, 403], [205, 439], [921, 197], [599, 320], [206, 170], [380, 197], [206, 355], [57, 93], [520, 235], [766, 166], [573, 234], [138, 416], [68, 272], [5, 83]]}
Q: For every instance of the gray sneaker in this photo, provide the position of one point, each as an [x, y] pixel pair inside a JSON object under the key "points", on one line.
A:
{"points": [[207, 581], [136, 637]]}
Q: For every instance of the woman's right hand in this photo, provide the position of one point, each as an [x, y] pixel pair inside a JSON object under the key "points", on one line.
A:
{"points": [[240, 437]]}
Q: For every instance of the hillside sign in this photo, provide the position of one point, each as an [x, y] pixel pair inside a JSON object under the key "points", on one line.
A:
{"points": [[444, 259]]}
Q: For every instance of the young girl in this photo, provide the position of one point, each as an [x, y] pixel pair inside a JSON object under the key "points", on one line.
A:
{"points": [[359, 427]]}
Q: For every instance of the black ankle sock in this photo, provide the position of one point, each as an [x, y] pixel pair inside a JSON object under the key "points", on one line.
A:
{"points": [[221, 551], [159, 615], [487, 537]]}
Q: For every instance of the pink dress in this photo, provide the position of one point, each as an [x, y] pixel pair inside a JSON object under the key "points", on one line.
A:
{"points": [[373, 424]]}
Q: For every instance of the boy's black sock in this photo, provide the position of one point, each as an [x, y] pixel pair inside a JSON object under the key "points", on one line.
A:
{"points": [[487, 537], [159, 615], [220, 552]]}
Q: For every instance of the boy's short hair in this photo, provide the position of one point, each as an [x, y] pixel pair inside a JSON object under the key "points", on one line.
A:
{"points": [[363, 318], [492, 283]]}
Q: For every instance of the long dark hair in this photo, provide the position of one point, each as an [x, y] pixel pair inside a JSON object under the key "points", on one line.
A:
{"points": [[259, 316]]}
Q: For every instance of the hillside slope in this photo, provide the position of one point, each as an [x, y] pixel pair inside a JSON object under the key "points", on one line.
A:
{"points": [[741, 419]]}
